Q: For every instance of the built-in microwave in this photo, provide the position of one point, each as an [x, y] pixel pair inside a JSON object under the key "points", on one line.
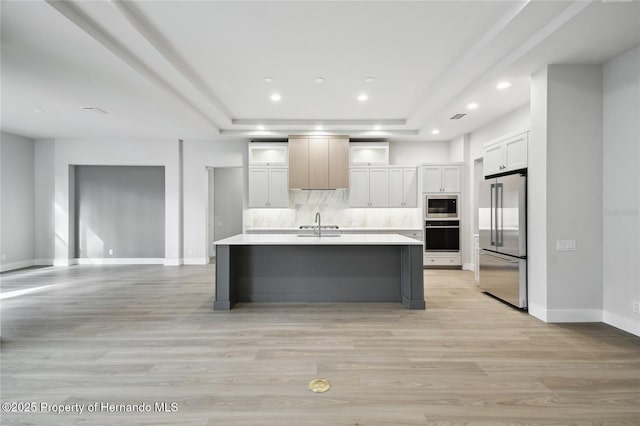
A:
{"points": [[439, 206]]}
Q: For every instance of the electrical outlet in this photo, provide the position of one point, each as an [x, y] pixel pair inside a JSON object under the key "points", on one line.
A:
{"points": [[565, 245], [110, 252], [636, 306], [190, 252]]}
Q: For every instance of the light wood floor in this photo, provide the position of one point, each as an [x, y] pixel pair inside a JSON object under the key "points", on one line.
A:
{"points": [[145, 334]]}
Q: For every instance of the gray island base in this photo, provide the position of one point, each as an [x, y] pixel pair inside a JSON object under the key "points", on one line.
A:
{"points": [[348, 268]]}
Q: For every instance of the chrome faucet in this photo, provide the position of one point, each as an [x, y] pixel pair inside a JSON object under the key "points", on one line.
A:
{"points": [[317, 219]]}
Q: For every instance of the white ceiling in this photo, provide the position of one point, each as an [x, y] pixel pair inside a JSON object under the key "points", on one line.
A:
{"points": [[194, 70]]}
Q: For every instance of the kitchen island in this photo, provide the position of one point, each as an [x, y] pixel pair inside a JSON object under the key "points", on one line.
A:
{"points": [[344, 268]]}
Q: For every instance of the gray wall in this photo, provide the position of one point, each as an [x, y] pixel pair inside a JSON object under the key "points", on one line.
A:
{"points": [[120, 208], [16, 201], [227, 206], [621, 190], [44, 156]]}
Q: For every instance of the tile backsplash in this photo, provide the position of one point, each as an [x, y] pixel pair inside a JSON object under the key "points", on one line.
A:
{"points": [[335, 210]]}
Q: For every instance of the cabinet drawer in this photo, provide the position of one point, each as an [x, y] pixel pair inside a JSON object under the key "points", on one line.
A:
{"points": [[442, 260]]}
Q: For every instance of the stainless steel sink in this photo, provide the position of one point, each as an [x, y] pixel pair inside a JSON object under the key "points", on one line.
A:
{"points": [[326, 231]]}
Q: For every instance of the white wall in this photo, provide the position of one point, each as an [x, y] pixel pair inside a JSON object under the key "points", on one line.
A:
{"points": [[456, 148], [44, 201], [574, 192], [621, 190], [69, 152], [567, 148], [16, 201], [413, 152], [537, 198]]}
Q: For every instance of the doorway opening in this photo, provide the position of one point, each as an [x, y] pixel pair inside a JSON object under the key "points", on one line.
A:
{"points": [[224, 206]]}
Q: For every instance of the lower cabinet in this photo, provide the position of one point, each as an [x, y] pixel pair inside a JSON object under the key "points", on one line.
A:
{"points": [[268, 187]]}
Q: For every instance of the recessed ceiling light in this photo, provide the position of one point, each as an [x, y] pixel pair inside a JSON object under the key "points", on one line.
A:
{"points": [[435, 132], [503, 85], [377, 127], [362, 97], [268, 80], [260, 127], [38, 110], [276, 97], [318, 80], [318, 127], [472, 105], [369, 80]]}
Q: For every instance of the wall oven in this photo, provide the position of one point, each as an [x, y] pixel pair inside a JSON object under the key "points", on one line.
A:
{"points": [[438, 206], [442, 235]]}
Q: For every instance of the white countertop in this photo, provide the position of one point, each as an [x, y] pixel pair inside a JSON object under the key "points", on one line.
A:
{"points": [[342, 240]]}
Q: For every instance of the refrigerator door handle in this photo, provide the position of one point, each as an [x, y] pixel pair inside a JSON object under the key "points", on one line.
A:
{"points": [[491, 213], [499, 215]]}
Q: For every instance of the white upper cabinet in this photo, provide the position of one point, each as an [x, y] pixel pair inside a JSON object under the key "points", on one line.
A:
{"points": [[403, 187], [451, 178], [369, 154], [268, 154], [369, 187], [258, 187], [441, 178], [379, 187], [278, 188], [268, 187], [506, 155], [359, 187]]}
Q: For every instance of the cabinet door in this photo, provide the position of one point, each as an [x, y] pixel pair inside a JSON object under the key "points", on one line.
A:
{"points": [[493, 159], [298, 163], [318, 163], [258, 187], [410, 187], [379, 187], [359, 187], [338, 163], [451, 178], [432, 179], [278, 188], [515, 152], [396, 192]]}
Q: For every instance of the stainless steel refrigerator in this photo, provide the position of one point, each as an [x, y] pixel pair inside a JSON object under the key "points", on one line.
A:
{"points": [[502, 223]]}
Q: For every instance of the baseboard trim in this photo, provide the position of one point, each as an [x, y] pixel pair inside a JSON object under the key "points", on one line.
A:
{"points": [[172, 262], [618, 321], [196, 261], [469, 267], [65, 262], [537, 311], [565, 315], [120, 261], [574, 315], [16, 265], [43, 262]]}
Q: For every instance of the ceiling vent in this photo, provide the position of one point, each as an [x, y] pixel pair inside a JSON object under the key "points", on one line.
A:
{"points": [[457, 116]]}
